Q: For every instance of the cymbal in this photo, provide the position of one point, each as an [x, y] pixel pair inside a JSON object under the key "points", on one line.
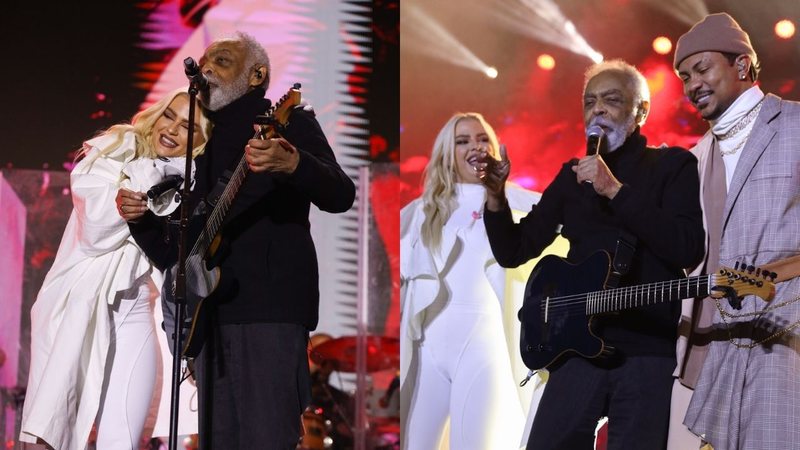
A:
{"points": [[382, 353]]}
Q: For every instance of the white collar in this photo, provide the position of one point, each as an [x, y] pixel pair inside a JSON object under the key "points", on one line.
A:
{"points": [[740, 107]]}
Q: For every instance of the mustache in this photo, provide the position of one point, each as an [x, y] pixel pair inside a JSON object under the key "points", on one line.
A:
{"points": [[212, 79], [603, 123]]}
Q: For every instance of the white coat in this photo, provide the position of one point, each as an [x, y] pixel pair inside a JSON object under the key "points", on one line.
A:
{"points": [[70, 320]]}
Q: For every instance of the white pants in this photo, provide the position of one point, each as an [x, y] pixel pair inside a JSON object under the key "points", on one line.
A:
{"points": [[130, 370], [464, 372]]}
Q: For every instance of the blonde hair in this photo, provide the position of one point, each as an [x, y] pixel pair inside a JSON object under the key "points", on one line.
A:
{"points": [[142, 126], [438, 197]]}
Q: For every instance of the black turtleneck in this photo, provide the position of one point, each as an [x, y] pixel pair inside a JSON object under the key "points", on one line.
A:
{"points": [[658, 204], [268, 260], [233, 127]]}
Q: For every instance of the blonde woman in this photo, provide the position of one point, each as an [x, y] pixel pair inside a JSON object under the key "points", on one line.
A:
{"points": [[93, 342], [454, 353]]}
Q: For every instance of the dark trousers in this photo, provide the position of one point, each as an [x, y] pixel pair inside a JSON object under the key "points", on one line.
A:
{"points": [[634, 394], [253, 385]]}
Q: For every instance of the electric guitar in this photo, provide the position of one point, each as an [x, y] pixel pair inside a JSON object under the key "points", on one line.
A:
{"points": [[561, 300], [202, 278]]}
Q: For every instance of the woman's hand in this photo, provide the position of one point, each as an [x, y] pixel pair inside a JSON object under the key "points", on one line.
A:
{"points": [[131, 205]]}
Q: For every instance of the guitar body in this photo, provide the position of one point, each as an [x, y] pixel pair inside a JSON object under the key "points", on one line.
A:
{"points": [[564, 330], [201, 289]]}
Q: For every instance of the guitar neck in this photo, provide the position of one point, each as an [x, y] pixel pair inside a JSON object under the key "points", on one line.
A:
{"points": [[277, 116], [217, 215], [647, 294]]}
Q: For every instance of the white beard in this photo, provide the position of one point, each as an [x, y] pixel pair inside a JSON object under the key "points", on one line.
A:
{"points": [[222, 95], [618, 133]]}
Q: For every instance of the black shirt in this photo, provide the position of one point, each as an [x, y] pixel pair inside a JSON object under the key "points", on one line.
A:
{"points": [[658, 204]]}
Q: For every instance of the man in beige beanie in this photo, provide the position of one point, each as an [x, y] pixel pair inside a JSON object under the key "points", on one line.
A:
{"points": [[744, 364]]}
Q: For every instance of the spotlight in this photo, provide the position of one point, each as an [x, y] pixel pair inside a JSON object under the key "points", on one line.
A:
{"points": [[596, 56], [662, 45], [546, 62], [490, 72], [784, 29]]}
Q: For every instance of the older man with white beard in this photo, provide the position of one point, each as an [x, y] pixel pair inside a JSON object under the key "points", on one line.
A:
{"points": [[252, 372], [638, 196]]}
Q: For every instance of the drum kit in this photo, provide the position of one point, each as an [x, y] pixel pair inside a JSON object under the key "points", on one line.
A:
{"points": [[329, 422]]}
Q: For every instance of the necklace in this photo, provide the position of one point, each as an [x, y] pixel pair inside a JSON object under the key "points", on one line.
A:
{"points": [[741, 125], [734, 149]]}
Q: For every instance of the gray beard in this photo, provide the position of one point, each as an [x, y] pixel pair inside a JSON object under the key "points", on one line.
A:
{"points": [[619, 131], [222, 95]]}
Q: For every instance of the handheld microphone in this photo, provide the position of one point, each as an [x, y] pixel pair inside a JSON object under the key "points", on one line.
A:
{"points": [[193, 73], [596, 141], [596, 144], [169, 182]]}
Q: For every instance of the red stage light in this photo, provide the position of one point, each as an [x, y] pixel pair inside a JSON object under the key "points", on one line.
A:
{"points": [[784, 29], [546, 61], [662, 45]]}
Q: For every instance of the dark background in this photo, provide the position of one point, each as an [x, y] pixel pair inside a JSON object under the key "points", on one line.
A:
{"points": [[71, 69]]}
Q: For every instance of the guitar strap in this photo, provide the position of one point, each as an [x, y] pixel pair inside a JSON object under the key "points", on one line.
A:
{"points": [[626, 246]]}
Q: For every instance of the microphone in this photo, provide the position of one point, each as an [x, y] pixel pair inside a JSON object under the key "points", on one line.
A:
{"points": [[193, 73], [596, 144], [596, 141], [169, 182]]}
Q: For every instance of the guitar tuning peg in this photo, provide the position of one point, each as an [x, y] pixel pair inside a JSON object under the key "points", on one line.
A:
{"points": [[758, 271], [296, 85], [773, 275], [736, 266], [750, 269]]}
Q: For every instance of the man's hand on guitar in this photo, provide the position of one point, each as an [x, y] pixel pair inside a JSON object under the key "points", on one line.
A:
{"points": [[493, 175], [593, 169], [273, 155], [131, 205]]}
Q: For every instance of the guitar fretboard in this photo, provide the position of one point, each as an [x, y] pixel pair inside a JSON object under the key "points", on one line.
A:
{"points": [[646, 294], [630, 297], [220, 210]]}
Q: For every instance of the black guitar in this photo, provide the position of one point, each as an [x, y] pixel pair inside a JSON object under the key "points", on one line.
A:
{"points": [[561, 299], [201, 279]]}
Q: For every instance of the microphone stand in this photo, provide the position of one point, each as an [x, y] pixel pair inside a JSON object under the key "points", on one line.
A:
{"points": [[180, 278]]}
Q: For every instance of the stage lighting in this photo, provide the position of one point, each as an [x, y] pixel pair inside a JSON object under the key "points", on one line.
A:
{"points": [[662, 45], [784, 29], [546, 62], [490, 72]]}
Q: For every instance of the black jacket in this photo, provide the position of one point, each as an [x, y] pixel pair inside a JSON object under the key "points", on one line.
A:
{"points": [[268, 262], [658, 204]]}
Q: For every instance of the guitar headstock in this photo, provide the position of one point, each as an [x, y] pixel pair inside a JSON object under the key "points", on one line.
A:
{"points": [[278, 116], [743, 280], [286, 103]]}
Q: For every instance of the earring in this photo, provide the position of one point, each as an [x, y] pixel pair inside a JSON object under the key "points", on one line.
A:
{"points": [[742, 76]]}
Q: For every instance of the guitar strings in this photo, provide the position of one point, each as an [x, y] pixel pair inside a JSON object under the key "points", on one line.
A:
{"points": [[619, 297]]}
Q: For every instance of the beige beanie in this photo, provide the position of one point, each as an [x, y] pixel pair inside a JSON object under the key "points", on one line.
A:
{"points": [[715, 33]]}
